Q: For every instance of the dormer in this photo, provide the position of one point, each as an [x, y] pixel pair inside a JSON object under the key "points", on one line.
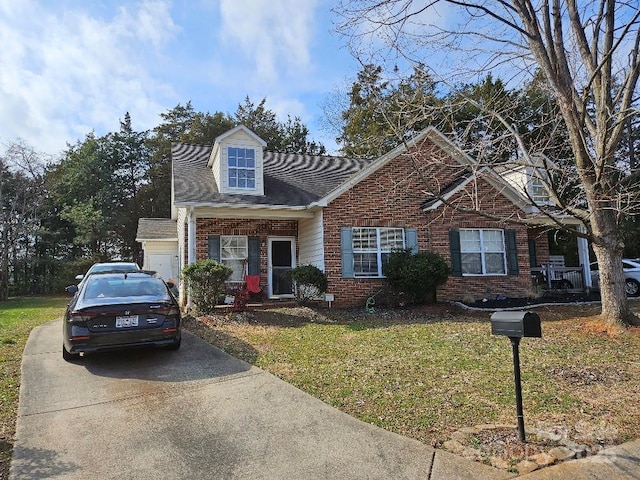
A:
{"points": [[531, 181], [237, 162]]}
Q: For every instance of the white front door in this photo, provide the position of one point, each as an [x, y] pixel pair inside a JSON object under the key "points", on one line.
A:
{"points": [[282, 258]]}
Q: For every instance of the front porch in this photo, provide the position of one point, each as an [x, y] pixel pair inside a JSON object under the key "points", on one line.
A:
{"points": [[568, 270]]}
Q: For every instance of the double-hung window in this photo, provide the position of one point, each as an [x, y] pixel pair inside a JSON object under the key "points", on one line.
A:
{"points": [[483, 252], [539, 193], [372, 247], [234, 253], [242, 167]]}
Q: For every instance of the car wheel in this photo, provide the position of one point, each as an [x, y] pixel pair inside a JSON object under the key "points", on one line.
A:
{"points": [[175, 345], [69, 357], [632, 287]]}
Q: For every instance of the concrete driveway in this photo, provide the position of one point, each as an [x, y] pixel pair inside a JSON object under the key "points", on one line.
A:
{"points": [[196, 413]]}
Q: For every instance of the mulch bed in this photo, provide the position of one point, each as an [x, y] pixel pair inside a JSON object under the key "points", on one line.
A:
{"points": [[500, 301]]}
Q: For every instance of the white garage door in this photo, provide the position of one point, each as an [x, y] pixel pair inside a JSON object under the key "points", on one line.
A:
{"points": [[161, 263]]}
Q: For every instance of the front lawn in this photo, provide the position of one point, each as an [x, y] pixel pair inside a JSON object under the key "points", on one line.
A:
{"points": [[425, 373], [18, 317]]}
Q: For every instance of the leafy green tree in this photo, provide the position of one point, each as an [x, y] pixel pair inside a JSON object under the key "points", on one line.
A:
{"points": [[82, 188], [175, 122], [290, 136], [381, 112], [129, 155], [260, 120]]}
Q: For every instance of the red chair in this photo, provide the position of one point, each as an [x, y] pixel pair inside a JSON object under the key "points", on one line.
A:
{"points": [[250, 286]]}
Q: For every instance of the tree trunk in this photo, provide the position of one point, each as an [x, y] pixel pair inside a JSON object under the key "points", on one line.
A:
{"points": [[615, 308]]}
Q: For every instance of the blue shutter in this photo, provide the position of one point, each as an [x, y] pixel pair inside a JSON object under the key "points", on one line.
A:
{"points": [[533, 253], [411, 239], [456, 255], [254, 256], [512, 252], [214, 247], [346, 250]]}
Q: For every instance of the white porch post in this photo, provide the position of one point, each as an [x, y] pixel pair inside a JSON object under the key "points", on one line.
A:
{"points": [[191, 233], [191, 245], [583, 255]]}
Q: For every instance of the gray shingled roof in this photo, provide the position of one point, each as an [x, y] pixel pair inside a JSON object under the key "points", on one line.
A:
{"points": [[289, 179], [157, 229]]}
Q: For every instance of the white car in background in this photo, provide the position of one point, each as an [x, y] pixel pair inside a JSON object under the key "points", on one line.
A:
{"points": [[631, 268], [115, 267]]}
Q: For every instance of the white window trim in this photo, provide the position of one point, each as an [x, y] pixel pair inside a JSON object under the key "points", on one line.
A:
{"points": [[244, 259], [482, 252], [378, 251], [255, 168], [536, 182]]}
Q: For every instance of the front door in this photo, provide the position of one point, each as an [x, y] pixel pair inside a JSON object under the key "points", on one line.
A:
{"points": [[281, 260]]}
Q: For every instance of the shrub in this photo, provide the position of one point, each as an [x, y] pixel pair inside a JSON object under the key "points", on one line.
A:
{"points": [[416, 275], [310, 282], [205, 281]]}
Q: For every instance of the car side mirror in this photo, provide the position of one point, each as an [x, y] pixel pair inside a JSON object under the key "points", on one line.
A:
{"points": [[71, 289], [171, 284]]}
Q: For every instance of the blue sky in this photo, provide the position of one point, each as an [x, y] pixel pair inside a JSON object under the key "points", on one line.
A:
{"points": [[69, 67]]}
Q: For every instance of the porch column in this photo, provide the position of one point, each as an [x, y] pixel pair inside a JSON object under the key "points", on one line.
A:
{"points": [[191, 246], [583, 255], [191, 233]]}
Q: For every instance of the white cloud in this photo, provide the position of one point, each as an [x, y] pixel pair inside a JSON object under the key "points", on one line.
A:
{"points": [[274, 35], [66, 72]]}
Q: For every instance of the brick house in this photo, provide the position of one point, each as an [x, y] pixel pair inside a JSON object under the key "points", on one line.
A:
{"points": [[263, 213]]}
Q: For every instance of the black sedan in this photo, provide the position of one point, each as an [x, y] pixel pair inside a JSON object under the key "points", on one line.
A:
{"points": [[120, 310]]}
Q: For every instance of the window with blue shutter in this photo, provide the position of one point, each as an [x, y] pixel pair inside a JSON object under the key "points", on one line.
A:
{"points": [[365, 250], [489, 251]]}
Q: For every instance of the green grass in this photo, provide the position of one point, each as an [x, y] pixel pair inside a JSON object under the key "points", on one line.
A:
{"points": [[426, 375], [18, 316]]}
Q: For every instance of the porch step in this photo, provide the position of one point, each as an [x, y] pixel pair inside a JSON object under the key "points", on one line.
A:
{"points": [[262, 305]]}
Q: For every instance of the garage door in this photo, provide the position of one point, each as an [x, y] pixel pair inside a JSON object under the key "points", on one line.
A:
{"points": [[161, 263]]}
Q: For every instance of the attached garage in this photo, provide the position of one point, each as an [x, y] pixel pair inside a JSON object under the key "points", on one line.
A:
{"points": [[159, 239]]}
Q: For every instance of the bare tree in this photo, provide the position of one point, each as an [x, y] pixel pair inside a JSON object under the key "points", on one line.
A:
{"points": [[21, 194], [588, 54]]}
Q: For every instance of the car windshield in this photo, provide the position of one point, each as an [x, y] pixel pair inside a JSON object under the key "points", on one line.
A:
{"points": [[125, 286]]}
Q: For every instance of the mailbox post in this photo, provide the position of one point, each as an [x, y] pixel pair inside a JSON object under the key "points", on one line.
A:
{"points": [[516, 325]]}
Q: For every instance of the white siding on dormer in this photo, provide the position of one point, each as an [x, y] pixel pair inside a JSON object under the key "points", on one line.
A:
{"points": [[219, 163], [522, 180]]}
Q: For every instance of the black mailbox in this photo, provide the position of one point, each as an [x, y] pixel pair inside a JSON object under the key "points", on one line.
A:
{"points": [[516, 324]]}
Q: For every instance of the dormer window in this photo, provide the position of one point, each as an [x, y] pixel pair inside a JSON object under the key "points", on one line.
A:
{"points": [[242, 168], [539, 193]]}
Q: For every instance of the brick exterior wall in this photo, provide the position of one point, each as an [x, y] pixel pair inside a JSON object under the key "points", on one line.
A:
{"points": [[250, 227], [540, 236], [393, 196]]}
